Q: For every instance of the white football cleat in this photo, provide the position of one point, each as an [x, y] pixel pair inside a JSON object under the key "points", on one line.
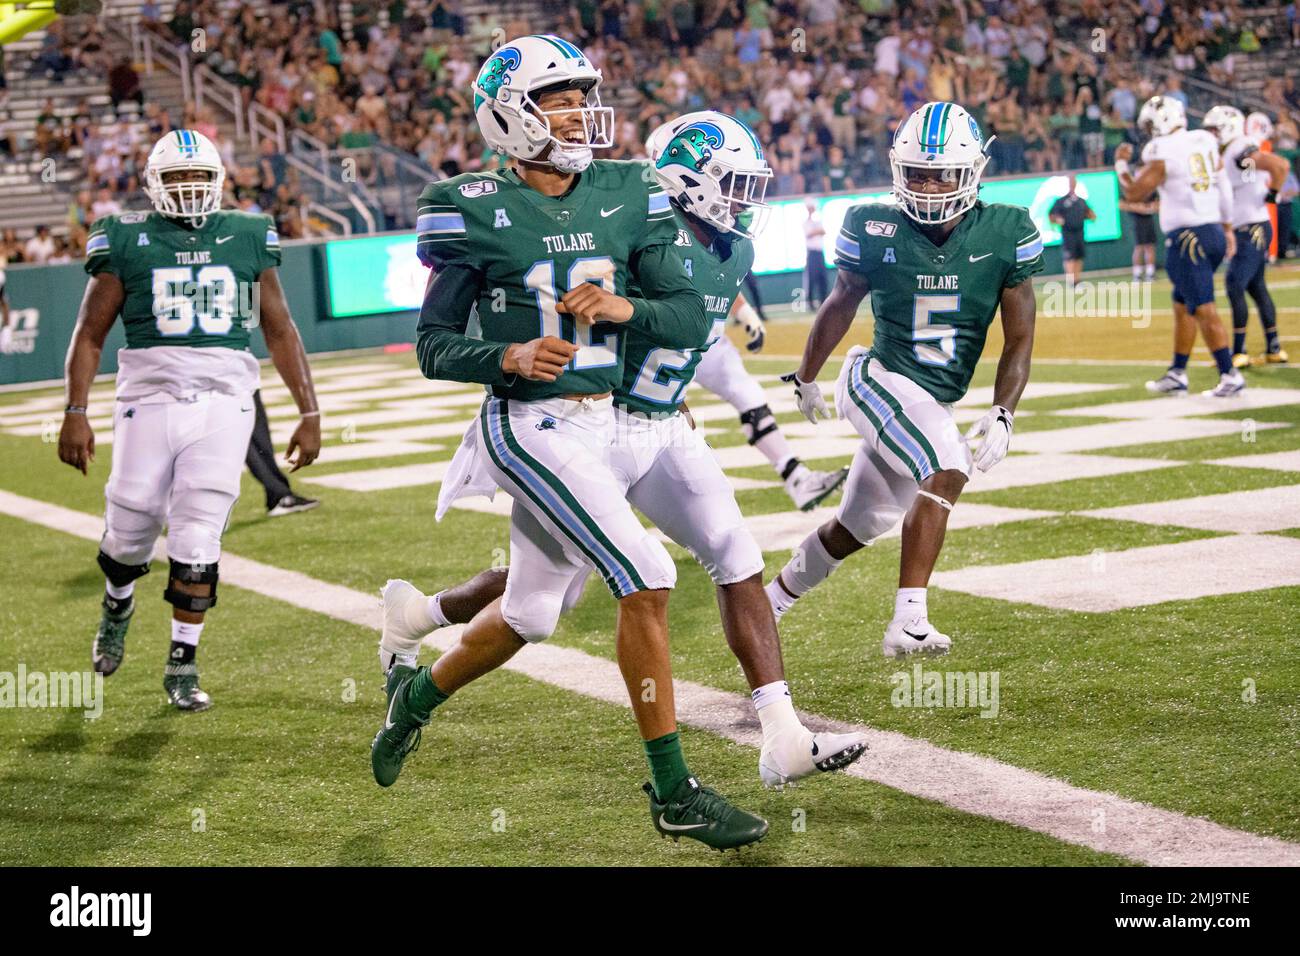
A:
{"points": [[401, 636], [1231, 384], [1173, 382], [914, 636], [799, 753], [808, 488]]}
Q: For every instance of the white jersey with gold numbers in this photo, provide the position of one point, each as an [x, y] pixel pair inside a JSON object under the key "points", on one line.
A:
{"points": [[1189, 196]]}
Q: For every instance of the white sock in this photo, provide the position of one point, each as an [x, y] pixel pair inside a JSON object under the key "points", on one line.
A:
{"points": [[910, 603], [1137, 273], [809, 566], [435, 612], [183, 633], [775, 707], [1151, 272], [776, 449], [119, 594]]}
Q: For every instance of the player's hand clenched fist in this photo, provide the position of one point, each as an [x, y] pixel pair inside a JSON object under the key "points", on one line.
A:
{"points": [[541, 360], [994, 434], [590, 303], [809, 397], [76, 442], [305, 441]]}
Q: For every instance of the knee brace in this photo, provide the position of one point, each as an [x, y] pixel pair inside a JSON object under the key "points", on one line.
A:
{"points": [[183, 573], [758, 423], [121, 574]]}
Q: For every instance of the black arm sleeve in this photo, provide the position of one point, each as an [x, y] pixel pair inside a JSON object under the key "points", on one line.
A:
{"points": [[443, 348]]}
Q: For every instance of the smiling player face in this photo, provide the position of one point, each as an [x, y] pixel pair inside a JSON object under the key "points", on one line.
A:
{"points": [[563, 109]]}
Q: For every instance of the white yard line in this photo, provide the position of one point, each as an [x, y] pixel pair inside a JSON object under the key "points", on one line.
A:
{"points": [[967, 782]]}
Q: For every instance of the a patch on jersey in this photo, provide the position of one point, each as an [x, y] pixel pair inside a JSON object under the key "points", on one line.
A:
{"points": [[131, 218], [689, 265], [683, 238], [482, 187], [143, 239], [889, 255], [874, 227], [501, 221]]}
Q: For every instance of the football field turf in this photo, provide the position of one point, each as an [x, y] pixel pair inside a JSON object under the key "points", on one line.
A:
{"points": [[1128, 579]]}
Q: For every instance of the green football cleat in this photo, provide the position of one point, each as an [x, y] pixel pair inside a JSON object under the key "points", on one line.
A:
{"points": [[110, 640], [181, 682], [400, 734], [702, 814]]}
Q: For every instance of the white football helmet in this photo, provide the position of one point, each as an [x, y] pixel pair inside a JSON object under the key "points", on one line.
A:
{"points": [[1162, 115], [506, 108], [1259, 127], [943, 137], [1225, 122], [195, 198], [713, 166]]}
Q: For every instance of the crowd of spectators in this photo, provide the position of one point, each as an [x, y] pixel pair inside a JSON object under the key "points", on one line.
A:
{"points": [[823, 83]]}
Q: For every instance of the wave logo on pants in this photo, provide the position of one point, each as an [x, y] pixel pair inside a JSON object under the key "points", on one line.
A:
{"points": [[546, 424]]}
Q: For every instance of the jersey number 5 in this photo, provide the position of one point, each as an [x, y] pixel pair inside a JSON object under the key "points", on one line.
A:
{"points": [[540, 278], [924, 332], [180, 296]]}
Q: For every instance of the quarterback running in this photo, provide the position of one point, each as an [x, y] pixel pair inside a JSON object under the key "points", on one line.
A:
{"points": [[190, 282], [559, 258], [713, 169], [938, 265]]}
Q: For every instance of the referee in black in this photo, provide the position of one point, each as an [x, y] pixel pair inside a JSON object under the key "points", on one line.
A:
{"points": [[1070, 212], [280, 498]]}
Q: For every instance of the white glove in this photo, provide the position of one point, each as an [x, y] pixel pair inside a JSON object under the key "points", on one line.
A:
{"points": [[995, 430], [748, 320], [809, 397]]}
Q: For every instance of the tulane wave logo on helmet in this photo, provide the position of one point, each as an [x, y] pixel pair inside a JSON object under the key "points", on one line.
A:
{"points": [[493, 74], [692, 146]]}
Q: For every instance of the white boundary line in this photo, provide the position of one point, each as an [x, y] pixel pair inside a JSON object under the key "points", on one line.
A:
{"points": [[973, 784]]}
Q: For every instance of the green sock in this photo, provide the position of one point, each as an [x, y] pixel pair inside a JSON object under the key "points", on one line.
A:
{"points": [[422, 694], [667, 765]]}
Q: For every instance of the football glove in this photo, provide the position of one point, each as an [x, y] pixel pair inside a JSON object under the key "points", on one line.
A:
{"points": [[993, 432], [809, 397], [749, 320]]}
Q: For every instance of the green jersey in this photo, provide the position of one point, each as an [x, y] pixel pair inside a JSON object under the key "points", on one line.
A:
{"points": [[933, 305], [655, 377], [185, 286], [510, 252]]}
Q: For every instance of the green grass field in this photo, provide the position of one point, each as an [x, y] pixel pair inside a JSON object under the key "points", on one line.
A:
{"points": [[1190, 705]]}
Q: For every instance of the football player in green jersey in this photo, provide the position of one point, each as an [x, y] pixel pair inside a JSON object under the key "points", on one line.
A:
{"points": [[190, 281], [938, 265], [713, 169], [561, 257]]}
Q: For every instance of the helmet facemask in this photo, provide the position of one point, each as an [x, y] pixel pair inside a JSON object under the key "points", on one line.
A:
{"points": [[959, 192], [734, 204], [186, 196], [566, 153]]}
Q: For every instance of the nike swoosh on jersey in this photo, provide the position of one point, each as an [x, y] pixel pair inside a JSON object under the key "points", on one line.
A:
{"points": [[223, 239], [679, 826], [978, 258], [606, 213]]}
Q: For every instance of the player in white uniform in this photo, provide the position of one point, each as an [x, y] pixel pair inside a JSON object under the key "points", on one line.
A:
{"points": [[722, 371], [1255, 177], [179, 277], [1196, 217]]}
